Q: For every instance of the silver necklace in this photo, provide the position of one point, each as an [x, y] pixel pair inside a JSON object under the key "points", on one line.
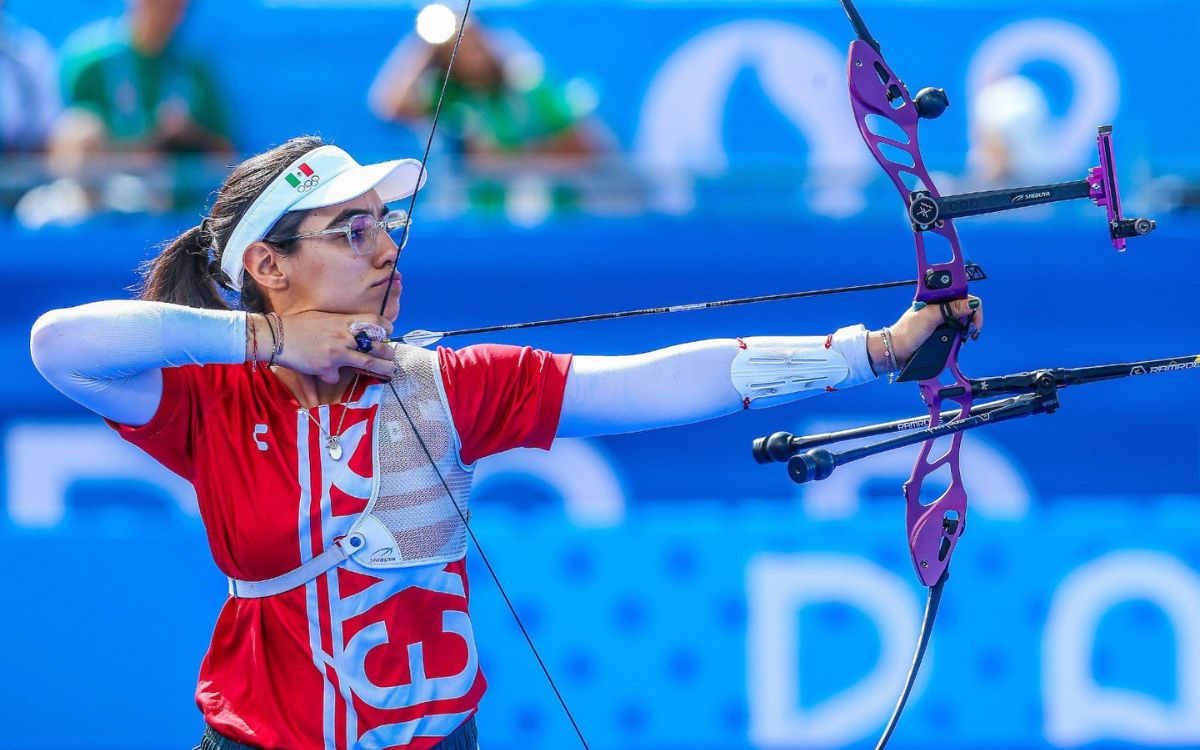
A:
{"points": [[333, 443]]}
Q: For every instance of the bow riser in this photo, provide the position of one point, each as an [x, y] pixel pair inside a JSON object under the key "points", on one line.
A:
{"points": [[933, 528], [874, 90]]}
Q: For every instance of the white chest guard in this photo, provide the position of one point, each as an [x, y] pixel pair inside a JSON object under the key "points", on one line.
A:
{"points": [[409, 520]]}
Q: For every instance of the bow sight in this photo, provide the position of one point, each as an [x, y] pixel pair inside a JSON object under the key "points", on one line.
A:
{"points": [[927, 211]]}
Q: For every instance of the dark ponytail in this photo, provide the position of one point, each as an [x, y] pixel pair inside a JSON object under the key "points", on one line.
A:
{"points": [[182, 273], [187, 269]]}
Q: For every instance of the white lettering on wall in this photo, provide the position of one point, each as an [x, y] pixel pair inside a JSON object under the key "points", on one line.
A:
{"points": [[1063, 144], [44, 459], [778, 587], [1080, 711], [682, 120], [576, 469]]}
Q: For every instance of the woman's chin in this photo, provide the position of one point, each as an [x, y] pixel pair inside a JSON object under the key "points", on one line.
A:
{"points": [[390, 311]]}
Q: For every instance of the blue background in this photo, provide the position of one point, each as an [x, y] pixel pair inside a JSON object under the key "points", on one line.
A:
{"points": [[646, 614]]}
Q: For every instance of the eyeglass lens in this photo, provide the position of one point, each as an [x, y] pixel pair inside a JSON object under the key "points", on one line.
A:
{"points": [[362, 233], [364, 229]]}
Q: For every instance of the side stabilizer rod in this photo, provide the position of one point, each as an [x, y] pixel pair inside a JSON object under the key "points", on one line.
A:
{"points": [[819, 463], [1037, 393]]}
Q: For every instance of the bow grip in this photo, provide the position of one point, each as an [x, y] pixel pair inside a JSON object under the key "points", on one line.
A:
{"points": [[930, 359]]}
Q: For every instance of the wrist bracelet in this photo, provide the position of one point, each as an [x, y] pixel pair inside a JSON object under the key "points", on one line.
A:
{"points": [[890, 353], [253, 344], [278, 342], [274, 340]]}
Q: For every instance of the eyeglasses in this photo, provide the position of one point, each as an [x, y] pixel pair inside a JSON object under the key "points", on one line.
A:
{"points": [[362, 230]]}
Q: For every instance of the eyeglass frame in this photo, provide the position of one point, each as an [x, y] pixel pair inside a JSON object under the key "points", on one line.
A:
{"points": [[396, 217]]}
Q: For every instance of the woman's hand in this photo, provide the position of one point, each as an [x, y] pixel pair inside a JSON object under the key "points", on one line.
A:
{"points": [[915, 326], [320, 344]]}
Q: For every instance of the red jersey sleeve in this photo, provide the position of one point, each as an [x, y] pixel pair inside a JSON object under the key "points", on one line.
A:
{"points": [[170, 435], [503, 397]]}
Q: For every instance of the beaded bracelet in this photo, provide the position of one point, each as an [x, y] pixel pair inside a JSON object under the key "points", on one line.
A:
{"points": [[278, 348], [253, 344], [274, 340], [890, 353]]}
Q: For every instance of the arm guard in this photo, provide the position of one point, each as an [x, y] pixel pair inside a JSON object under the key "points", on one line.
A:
{"points": [[774, 370]]}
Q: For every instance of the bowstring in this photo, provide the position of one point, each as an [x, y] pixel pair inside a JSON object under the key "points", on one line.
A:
{"points": [[437, 111], [487, 563]]}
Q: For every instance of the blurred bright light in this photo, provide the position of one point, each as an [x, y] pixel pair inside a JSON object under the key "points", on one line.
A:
{"points": [[436, 23], [581, 97]]}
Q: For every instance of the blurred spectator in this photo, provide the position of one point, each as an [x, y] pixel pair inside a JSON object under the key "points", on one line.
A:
{"points": [[29, 98], [531, 145], [495, 104], [141, 90], [140, 115], [1010, 121]]}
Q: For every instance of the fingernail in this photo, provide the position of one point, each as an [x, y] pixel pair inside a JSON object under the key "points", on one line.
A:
{"points": [[919, 306], [974, 304]]}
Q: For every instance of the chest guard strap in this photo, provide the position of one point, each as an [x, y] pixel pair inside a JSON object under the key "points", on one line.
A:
{"points": [[342, 549]]}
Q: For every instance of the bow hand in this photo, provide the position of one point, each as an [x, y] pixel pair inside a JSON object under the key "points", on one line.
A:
{"points": [[923, 337]]}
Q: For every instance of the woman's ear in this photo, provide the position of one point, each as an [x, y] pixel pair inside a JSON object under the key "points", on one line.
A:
{"points": [[262, 264]]}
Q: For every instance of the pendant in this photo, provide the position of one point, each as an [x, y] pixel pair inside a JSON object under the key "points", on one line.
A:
{"points": [[334, 446]]}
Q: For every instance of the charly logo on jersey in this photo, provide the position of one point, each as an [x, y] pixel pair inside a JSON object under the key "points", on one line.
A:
{"points": [[303, 179]]}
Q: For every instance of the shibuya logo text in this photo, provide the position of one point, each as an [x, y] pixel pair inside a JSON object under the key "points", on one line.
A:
{"points": [[1024, 197]]}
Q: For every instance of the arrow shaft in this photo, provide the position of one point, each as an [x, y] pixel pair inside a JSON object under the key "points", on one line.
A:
{"points": [[682, 308]]}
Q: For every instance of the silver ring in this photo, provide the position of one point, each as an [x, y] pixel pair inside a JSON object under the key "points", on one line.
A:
{"points": [[374, 332]]}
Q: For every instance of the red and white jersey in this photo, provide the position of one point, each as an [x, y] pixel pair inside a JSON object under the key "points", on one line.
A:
{"points": [[359, 657]]}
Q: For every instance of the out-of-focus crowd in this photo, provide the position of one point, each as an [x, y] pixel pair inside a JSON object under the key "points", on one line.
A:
{"points": [[123, 118], [126, 117]]}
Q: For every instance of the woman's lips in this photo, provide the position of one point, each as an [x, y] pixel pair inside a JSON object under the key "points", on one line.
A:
{"points": [[397, 276]]}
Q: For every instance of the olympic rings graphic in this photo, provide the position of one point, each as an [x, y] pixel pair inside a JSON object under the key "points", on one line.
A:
{"points": [[309, 184]]}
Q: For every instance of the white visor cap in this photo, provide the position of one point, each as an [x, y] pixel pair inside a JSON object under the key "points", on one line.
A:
{"points": [[323, 177]]}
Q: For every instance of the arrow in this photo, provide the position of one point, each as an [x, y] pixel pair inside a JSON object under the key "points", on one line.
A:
{"points": [[425, 338]]}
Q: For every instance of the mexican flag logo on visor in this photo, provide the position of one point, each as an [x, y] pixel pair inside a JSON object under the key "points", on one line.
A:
{"points": [[303, 179]]}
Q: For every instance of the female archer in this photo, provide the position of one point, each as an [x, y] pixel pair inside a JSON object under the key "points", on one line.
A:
{"points": [[333, 469]]}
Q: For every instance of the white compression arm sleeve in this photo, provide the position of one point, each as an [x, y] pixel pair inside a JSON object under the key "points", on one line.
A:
{"points": [[108, 355], [678, 385]]}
